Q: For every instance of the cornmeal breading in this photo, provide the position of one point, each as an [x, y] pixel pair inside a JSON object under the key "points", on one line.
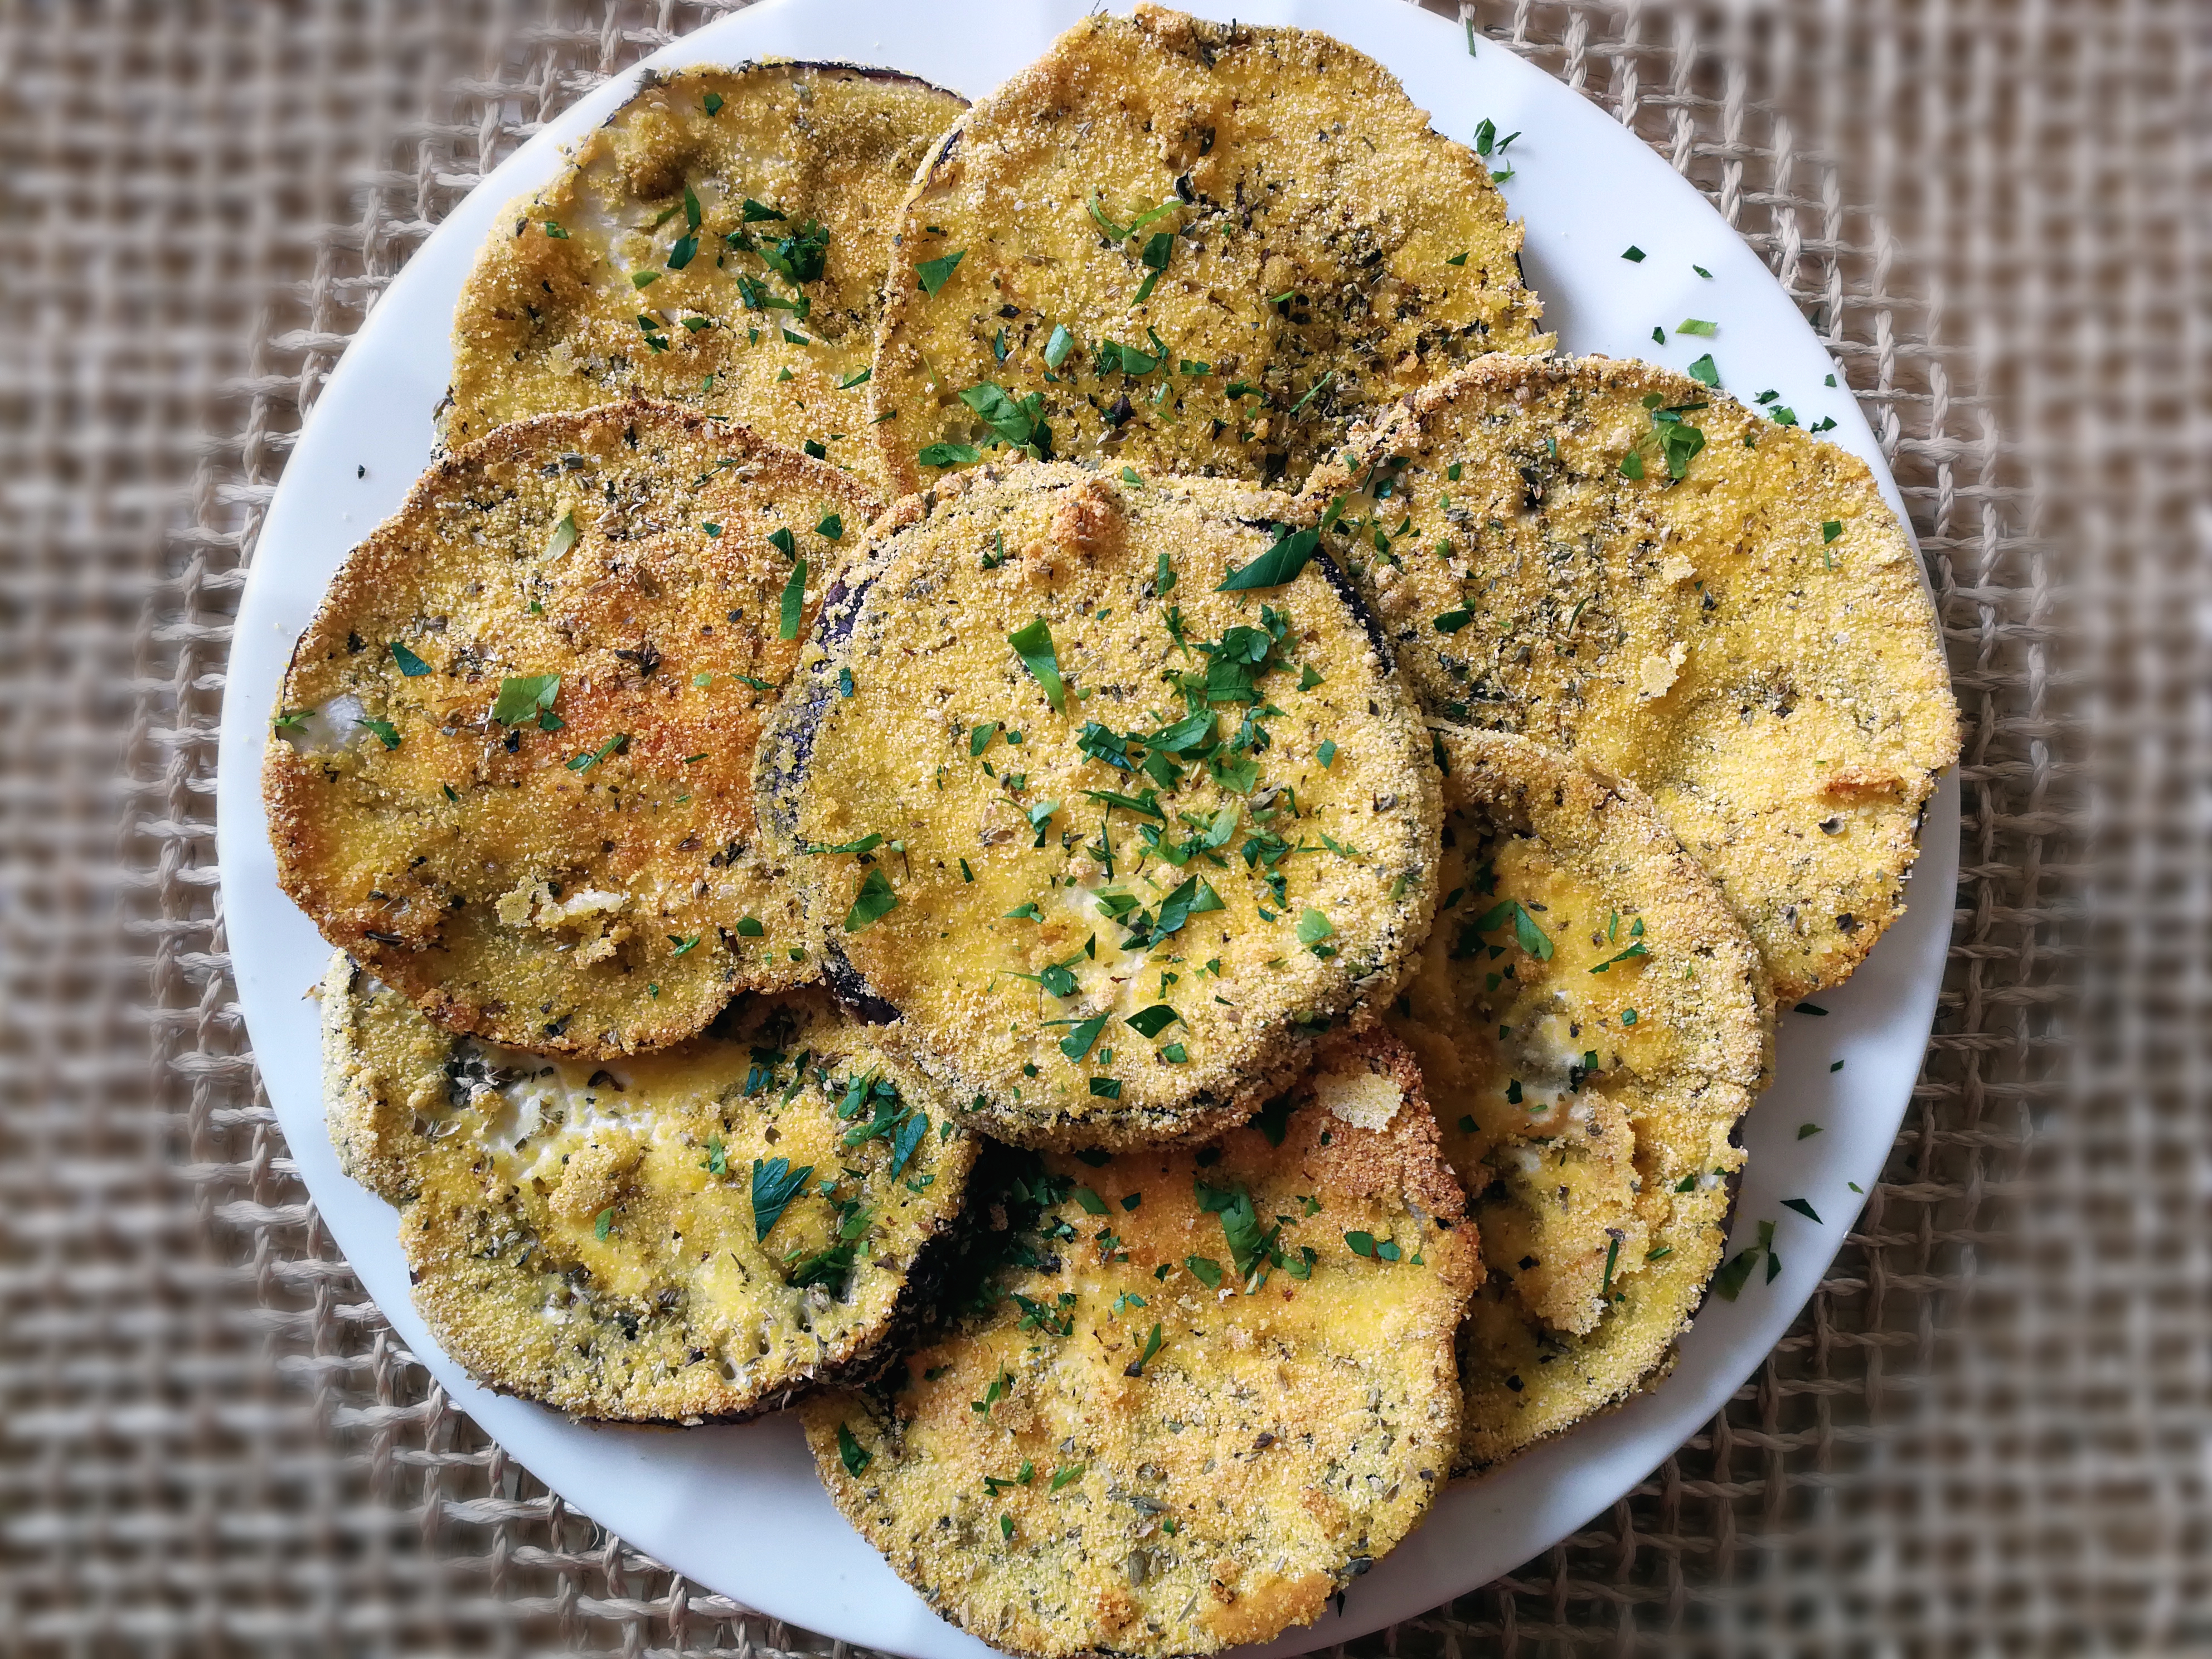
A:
{"points": [[512, 769], [1109, 845], [1621, 560], [697, 1234], [722, 242], [1590, 1020], [1197, 1390], [1198, 248]]}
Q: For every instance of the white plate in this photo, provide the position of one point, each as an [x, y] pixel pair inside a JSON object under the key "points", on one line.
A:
{"points": [[738, 1510]]}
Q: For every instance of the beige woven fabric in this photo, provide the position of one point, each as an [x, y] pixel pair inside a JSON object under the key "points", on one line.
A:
{"points": [[1988, 1432]]}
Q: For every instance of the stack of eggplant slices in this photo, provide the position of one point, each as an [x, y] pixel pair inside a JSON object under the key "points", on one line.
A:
{"points": [[1033, 779]]}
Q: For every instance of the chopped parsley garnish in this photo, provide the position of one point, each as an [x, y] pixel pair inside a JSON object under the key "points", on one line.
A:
{"points": [[1633, 254], [1452, 621], [1150, 1021], [1313, 928], [874, 901], [1373, 1248], [852, 380], [712, 103], [868, 844], [948, 454], [793, 603], [1279, 564], [774, 1184], [1136, 1367], [1526, 934], [643, 279], [1106, 1088], [603, 1224], [1327, 753], [1068, 1476], [1830, 529], [1696, 325], [414, 667], [526, 697], [1057, 348], [1702, 272], [831, 528], [1205, 1269], [1033, 644], [1704, 369], [933, 274], [750, 927], [563, 536], [1091, 1203], [855, 1456], [1638, 948], [1077, 1043], [1118, 233], [684, 946], [612, 746], [1802, 1208], [386, 733], [1016, 422]]}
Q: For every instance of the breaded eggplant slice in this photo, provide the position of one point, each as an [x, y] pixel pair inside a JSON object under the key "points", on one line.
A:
{"points": [[1201, 247], [720, 242], [1621, 560], [1197, 1390], [1111, 846], [511, 767], [1590, 1019], [701, 1233]]}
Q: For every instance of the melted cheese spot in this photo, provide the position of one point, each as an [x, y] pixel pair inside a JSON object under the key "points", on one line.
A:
{"points": [[1363, 1099], [1655, 674]]}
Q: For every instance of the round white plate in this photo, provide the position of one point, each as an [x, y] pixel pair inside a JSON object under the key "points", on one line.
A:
{"points": [[738, 1510]]}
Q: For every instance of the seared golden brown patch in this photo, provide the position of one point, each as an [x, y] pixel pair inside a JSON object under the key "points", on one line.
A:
{"points": [[1115, 845], [1196, 1391], [1183, 245], [1740, 628], [697, 1234], [512, 769], [1589, 1018], [722, 242]]}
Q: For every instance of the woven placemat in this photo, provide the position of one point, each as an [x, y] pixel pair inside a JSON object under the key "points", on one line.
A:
{"points": [[1987, 1430]]}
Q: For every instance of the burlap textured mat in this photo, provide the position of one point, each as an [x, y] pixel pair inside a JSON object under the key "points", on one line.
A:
{"points": [[1988, 1432]]}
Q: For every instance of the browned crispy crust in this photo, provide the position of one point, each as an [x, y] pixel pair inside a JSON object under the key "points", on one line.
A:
{"points": [[1779, 689], [1299, 167], [445, 864], [548, 322], [1291, 1430]]}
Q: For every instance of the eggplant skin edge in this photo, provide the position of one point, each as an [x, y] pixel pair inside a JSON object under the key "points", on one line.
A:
{"points": [[786, 752]]}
